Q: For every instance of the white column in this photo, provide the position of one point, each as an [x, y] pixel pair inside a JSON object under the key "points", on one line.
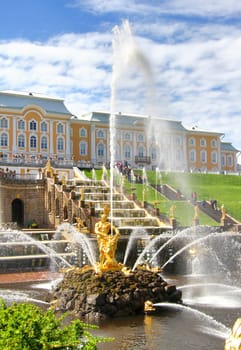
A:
{"points": [[14, 135], [67, 149], [51, 150], [93, 145], [219, 162], [185, 155], [134, 147]]}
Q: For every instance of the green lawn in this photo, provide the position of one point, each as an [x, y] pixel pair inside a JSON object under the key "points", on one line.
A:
{"points": [[184, 211], [226, 189]]}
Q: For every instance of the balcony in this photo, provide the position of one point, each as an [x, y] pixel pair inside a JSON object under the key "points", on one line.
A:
{"points": [[143, 160]]}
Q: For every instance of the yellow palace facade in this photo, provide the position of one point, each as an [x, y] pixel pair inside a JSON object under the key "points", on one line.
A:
{"points": [[35, 128]]}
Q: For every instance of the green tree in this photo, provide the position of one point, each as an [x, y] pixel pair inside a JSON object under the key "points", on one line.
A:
{"points": [[27, 327]]}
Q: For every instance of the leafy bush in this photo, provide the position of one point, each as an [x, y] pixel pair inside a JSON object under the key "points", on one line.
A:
{"points": [[27, 327]]}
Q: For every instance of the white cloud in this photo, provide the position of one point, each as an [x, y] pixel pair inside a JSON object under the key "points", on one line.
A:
{"points": [[212, 8], [197, 69]]}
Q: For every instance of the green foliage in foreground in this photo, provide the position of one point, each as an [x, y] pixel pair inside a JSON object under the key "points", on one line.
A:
{"points": [[27, 327]]}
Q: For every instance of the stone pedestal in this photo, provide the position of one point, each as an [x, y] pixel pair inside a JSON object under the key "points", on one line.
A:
{"points": [[156, 211], [195, 222], [224, 222], [173, 223], [133, 196], [144, 203]]}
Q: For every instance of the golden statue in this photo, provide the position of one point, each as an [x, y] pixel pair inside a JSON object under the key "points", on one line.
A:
{"points": [[234, 340], [223, 211], [49, 172], [63, 180], [107, 238], [196, 212], [82, 194], [172, 211], [80, 225], [148, 306]]}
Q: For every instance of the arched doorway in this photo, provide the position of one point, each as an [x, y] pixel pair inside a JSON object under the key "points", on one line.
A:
{"points": [[18, 211]]}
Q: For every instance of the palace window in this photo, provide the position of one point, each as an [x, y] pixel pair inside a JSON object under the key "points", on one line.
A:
{"points": [[178, 140], [192, 156], [100, 134], [60, 128], [127, 151], [3, 123], [44, 127], [203, 142], [223, 161], [60, 143], [33, 125], [127, 136], [100, 150], [153, 153], [21, 141], [192, 141], [21, 125], [140, 152], [83, 148], [178, 155], [203, 156], [141, 137], [4, 139], [214, 157], [44, 143], [33, 141], [214, 143], [83, 132], [230, 161]]}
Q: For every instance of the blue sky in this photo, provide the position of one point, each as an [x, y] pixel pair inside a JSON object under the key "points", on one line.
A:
{"points": [[182, 61]]}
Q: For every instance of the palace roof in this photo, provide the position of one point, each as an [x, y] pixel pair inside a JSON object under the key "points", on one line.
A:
{"points": [[135, 120], [228, 147], [16, 100]]}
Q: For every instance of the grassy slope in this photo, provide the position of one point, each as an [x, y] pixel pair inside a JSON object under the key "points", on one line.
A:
{"points": [[226, 189]]}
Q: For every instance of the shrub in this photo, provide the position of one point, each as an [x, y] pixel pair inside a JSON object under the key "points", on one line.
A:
{"points": [[27, 327]]}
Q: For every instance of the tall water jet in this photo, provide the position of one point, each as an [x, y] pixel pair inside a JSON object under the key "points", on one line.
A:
{"points": [[125, 54]]}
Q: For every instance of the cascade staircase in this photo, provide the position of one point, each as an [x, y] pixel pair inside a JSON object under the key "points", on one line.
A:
{"points": [[125, 213]]}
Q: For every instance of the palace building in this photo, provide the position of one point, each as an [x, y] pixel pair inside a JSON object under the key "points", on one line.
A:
{"points": [[36, 128]]}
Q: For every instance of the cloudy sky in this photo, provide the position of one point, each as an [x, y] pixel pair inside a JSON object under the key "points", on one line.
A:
{"points": [[177, 59]]}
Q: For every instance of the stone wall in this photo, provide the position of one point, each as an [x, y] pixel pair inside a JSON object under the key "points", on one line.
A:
{"points": [[32, 196]]}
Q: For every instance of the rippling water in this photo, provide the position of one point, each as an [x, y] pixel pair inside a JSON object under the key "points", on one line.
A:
{"points": [[209, 311], [204, 323]]}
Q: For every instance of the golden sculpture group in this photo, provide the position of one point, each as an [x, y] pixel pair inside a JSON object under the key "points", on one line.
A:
{"points": [[107, 239], [234, 340]]}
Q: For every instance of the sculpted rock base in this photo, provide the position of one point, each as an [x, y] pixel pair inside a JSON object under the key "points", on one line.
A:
{"points": [[111, 293]]}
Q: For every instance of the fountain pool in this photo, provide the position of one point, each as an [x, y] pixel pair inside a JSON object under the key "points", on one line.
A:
{"points": [[201, 326]]}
